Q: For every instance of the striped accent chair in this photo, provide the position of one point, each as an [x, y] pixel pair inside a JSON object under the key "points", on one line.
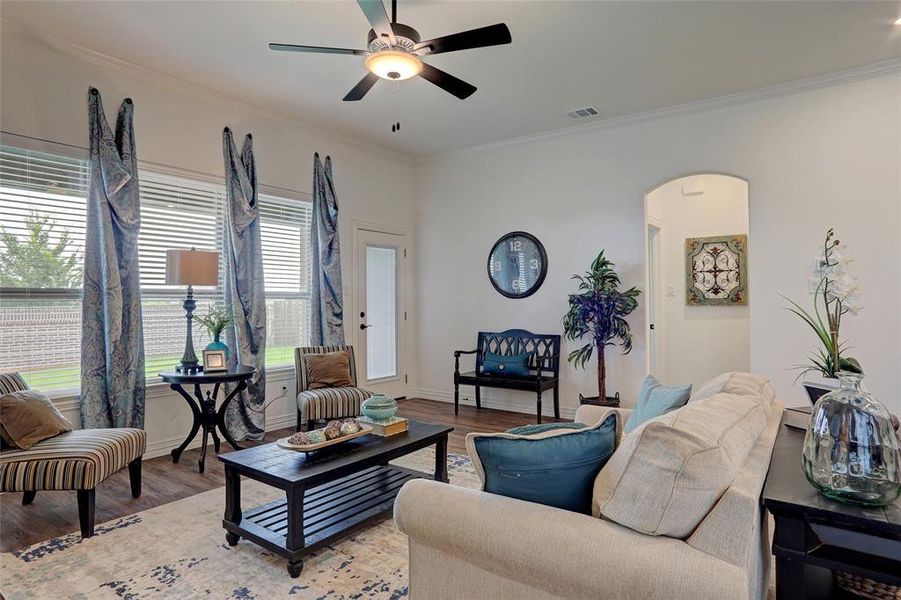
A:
{"points": [[325, 403], [78, 460]]}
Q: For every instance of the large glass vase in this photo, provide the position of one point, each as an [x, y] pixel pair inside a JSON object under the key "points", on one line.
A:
{"points": [[851, 452]]}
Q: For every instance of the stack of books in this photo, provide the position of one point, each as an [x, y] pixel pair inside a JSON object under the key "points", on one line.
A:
{"points": [[385, 427]]}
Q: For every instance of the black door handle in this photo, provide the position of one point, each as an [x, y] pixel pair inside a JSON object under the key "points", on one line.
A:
{"points": [[364, 326], [652, 326]]}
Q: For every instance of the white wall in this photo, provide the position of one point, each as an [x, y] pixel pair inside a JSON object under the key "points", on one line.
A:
{"points": [[698, 342], [43, 92], [817, 159]]}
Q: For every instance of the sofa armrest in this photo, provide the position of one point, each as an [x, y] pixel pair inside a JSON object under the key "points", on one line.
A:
{"points": [[563, 553], [589, 414]]}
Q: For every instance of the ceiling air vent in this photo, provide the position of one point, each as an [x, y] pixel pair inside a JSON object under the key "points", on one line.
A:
{"points": [[583, 113]]}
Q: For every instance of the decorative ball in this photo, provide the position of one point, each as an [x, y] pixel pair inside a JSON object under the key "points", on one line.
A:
{"points": [[349, 427], [317, 436], [299, 439], [332, 430]]}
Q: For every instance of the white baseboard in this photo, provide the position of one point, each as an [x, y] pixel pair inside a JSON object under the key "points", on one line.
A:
{"points": [[547, 408]]}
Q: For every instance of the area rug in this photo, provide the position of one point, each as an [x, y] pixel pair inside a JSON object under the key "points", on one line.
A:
{"points": [[178, 550]]}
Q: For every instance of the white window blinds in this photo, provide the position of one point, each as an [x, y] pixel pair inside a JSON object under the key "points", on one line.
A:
{"points": [[42, 215]]}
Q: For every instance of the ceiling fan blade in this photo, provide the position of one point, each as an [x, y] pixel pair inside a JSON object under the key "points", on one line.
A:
{"points": [[447, 82], [492, 35], [378, 18], [361, 88], [315, 49]]}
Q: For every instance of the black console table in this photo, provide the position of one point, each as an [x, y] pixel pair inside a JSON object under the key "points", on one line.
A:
{"points": [[204, 408], [815, 536]]}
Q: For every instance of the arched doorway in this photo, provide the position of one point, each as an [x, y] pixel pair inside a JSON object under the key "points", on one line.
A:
{"points": [[697, 285]]}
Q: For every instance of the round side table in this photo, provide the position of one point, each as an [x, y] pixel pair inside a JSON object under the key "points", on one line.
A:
{"points": [[206, 416]]}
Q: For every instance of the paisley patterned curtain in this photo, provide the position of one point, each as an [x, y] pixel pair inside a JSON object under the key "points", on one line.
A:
{"points": [[112, 340], [327, 312], [242, 258]]}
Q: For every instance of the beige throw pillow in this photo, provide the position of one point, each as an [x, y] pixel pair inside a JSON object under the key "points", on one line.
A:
{"points": [[328, 370], [28, 417], [671, 471]]}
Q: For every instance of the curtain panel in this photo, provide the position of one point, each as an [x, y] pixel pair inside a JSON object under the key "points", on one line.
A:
{"points": [[242, 260], [112, 340], [326, 311]]}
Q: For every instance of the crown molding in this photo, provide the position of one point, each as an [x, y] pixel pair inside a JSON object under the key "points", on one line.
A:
{"points": [[196, 90], [871, 71]]}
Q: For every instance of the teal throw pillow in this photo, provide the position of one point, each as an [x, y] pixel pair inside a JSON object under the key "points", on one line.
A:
{"points": [[655, 400], [515, 364], [554, 468]]}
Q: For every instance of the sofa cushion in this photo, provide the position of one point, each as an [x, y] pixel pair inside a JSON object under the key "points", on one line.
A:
{"points": [[77, 460], [656, 399], [331, 369], [556, 467], [28, 417], [670, 472], [742, 384]]}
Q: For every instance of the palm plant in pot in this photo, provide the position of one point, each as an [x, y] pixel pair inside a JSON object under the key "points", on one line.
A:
{"points": [[598, 311]]}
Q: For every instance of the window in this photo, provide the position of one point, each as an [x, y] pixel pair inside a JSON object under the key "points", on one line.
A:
{"points": [[42, 203]]}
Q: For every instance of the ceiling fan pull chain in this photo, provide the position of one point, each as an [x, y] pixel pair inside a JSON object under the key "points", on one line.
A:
{"points": [[395, 126]]}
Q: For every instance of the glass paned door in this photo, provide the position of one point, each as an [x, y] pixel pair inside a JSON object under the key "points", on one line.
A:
{"points": [[381, 313]]}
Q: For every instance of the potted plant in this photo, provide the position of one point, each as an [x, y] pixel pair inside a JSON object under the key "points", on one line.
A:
{"points": [[216, 319], [599, 311], [836, 295]]}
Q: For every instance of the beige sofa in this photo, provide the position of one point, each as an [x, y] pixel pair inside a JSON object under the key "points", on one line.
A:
{"points": [[470, 544]]}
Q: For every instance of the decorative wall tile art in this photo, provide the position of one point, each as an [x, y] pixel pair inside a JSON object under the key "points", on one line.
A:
{"points": [[716, 270]]}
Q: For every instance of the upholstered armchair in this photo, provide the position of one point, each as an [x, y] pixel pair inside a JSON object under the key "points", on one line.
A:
{"points": [[77, 460], [330, 402]]}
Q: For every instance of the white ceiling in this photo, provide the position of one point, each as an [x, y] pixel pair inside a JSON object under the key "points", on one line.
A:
{"points": [[621, 57]]}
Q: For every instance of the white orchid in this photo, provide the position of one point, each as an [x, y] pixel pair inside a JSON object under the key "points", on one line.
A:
{"points": [[839, 293]]}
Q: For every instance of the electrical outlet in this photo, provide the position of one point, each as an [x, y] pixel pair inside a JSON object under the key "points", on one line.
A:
{"points": [[670, 291]]}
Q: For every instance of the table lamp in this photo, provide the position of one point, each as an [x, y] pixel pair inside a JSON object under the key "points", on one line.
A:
{"points": [[191, 267]]}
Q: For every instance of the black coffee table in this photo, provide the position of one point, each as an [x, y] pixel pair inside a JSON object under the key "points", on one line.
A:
{"points": [[328, 493]]}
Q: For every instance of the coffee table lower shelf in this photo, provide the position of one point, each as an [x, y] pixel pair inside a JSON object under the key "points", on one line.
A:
{"points": [[321, 514]]}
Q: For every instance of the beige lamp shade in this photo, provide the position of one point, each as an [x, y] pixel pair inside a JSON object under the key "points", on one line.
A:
{"points": [[192, 267]]}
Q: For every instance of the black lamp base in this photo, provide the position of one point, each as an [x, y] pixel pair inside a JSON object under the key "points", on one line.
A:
{"points": [[189, 362]]}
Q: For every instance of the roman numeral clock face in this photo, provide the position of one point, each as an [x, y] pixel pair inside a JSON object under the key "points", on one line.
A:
{"points": [[517, 265]]}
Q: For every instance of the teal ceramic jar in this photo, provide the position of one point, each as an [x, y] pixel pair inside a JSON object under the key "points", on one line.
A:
{"points": [[379, 407]]}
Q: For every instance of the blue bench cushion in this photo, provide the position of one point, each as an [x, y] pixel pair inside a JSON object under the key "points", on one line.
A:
{"points": [[556, 467], [513, 364]]}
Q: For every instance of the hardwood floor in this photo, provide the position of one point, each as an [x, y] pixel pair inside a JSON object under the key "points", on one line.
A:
{"points": [[55, 513]]}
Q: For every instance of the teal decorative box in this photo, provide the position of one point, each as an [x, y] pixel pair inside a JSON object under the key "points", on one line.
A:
{"points": [[379, 407]]}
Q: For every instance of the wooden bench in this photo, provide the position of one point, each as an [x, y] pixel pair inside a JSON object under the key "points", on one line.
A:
{"points": [[544, 365]]}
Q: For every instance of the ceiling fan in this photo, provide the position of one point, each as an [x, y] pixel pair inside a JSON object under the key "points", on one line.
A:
{"points": [[395, 51]]}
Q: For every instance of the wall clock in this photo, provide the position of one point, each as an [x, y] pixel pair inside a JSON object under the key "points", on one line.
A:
{"points": [[517, 264]]}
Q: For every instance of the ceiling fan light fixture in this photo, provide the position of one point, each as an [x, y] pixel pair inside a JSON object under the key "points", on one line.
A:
{"points": [[394, 65]]}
